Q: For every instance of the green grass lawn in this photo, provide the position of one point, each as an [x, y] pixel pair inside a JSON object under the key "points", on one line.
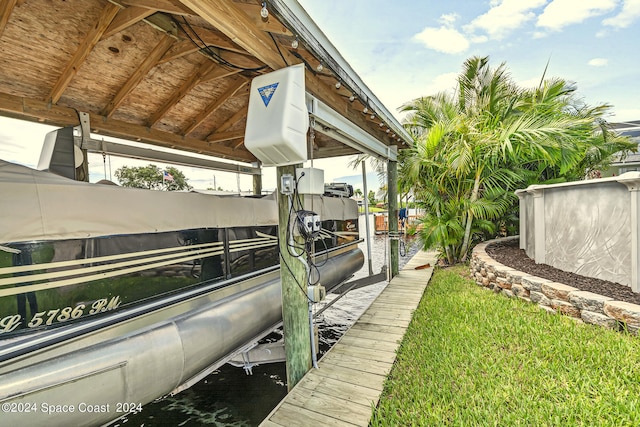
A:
{"points": [[473, 358]]}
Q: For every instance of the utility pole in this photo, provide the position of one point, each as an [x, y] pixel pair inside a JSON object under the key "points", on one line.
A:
{"points": [[293, 276]]}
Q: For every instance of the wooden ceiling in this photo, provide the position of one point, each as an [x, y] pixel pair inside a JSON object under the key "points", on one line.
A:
{"points": [[173, 73]]}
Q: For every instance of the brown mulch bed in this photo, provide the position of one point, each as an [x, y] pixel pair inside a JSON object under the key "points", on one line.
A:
{"points": [[509, 254]]}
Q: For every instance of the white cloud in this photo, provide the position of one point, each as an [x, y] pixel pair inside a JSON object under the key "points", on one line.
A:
{"points": [[443, 83], [630, 12], [443, 39], [598, 62], [504, 17], [560, 13], [449, 19]]}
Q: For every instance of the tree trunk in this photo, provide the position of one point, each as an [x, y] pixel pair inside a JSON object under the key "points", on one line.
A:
{"points": [[467, 230]]}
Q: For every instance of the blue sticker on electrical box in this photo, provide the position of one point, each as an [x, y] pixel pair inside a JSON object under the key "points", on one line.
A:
{"points": [[266, 92]]}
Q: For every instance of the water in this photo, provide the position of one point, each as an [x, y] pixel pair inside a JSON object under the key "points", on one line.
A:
{"points": [[229, 397]]}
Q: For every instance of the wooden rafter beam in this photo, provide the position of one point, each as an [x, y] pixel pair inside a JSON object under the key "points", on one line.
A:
{"points": [[42, 112], [225, 136], [210, 38], [6, 7], [180, 49], [149, 62], [229, 18], [173, 7], [186, 87], [231, 91], [90, 40], [219, 73], [237, 116], [271, 25], [238, 144], [126, 18]]}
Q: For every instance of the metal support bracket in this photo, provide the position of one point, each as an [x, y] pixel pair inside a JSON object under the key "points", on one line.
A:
{"points": [[272, 352]]}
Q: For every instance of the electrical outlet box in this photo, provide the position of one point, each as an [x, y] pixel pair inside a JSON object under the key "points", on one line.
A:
{"points": [[316, 293], [308, 222], [286, 184], [310, 180]]}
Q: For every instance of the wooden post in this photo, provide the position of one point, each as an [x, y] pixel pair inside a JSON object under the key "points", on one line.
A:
{"points": [[392, 193], [295, 315], [257, 182]]}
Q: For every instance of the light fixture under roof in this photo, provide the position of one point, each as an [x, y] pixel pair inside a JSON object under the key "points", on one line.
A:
{"points": [[264, 12], [295, 43], [319, 68], [338, 84]]}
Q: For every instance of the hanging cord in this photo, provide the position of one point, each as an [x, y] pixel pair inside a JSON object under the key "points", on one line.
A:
{"points": [[104, 164]]}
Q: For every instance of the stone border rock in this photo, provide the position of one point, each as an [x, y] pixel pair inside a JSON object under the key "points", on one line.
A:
{"points": [[552, 296]]}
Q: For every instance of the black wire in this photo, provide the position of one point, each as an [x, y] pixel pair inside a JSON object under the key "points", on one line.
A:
{"points": [[295, 278], [278, 47], [304, 61], [288, 234], [208, 50]]}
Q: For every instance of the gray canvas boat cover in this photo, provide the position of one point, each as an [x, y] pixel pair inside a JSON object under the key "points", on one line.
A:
{"points": [[40, 205]]}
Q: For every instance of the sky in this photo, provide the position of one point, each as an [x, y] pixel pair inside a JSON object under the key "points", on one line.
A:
{"points": [[406, 49]]}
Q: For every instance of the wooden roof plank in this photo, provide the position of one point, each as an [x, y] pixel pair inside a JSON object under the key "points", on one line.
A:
{"points": [[6, 7], [149, 62], [237, 116], [126, 18], [235, 87], [90, 40], [186, 87]]}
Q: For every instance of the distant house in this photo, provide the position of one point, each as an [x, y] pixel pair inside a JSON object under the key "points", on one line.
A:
{"points": [[632, 162]]}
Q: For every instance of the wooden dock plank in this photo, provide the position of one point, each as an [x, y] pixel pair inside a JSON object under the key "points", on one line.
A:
{"points": [[368, 318], [322, 403], [292, 415], [356, 363], [349, 392], [351, 375], [386, 330], [402, 314], [387, 336], [369, 343], [366, 354]]}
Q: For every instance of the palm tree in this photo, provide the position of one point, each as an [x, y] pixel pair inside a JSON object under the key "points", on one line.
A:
{"points": [[474, 147]]}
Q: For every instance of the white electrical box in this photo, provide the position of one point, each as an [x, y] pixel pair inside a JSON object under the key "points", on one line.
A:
{"points": [[277, 118], [310, 180]]}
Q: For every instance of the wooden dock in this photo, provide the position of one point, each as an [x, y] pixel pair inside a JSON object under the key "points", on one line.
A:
{"points": [[349, 379]]}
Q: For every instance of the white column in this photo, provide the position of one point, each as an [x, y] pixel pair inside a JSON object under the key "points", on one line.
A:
{"points": [[633, 184], [522, 194], [539, 238]]}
